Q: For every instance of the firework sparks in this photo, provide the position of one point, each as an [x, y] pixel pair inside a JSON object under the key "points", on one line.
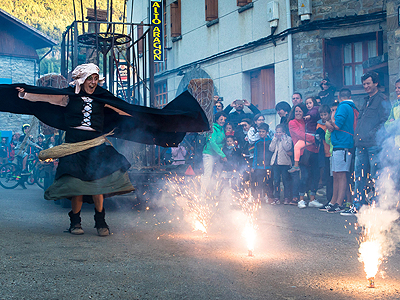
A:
{"points": [[249, 234], [197, 205], [371, 256], [249, 207]]}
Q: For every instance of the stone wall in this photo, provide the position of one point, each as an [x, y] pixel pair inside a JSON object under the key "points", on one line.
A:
{"points": [[19, 70], [308, 46], [393, 38], [307, 63]]}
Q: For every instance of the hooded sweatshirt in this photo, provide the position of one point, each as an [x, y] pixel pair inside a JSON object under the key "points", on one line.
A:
{"points": [[262, 154], [216, 142], [311, 124], [344, 119]]}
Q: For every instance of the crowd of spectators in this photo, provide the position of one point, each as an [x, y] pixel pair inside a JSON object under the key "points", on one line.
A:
{"points": [[322, 147]]}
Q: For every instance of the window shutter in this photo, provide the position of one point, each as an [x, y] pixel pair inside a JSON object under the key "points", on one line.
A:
{"points": [[139, 34], [267, 88], [262, 84], [211, 10], [334, 63], [176, 18]]}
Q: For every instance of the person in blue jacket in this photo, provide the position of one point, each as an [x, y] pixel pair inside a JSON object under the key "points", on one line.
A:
{"points": [[261, 170], [342, 132]]}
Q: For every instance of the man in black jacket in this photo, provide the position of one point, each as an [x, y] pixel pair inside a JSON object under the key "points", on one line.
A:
{"points": [[237, 116], [373, 114]]}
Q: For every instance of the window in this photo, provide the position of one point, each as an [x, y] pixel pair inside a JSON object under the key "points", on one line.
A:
{"points": [[176, 18], [161, 94], [211, 10], [344, 57], [353, 56], [243, 2], [263, 88], [139, 34]]}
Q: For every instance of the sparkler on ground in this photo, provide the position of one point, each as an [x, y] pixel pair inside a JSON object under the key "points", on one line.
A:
{"points": [[249, 208], [371, 254], [197, 205], [380, 235]]}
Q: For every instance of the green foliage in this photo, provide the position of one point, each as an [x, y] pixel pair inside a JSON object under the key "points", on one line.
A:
{"points": [[52, 17]]}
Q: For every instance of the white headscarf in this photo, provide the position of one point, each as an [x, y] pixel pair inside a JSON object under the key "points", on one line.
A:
{"points": [[82, 72]]}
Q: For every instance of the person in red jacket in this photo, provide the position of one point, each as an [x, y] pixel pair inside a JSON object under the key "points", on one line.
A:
{"points": [[309, 166]]}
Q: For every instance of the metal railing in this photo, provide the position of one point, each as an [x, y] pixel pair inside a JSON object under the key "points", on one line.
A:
{"points": [[123, 57]]}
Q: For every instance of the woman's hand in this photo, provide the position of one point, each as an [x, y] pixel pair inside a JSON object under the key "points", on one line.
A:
{"points": [[21, 91]]}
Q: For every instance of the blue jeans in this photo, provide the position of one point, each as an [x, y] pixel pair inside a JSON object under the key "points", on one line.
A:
{"points": [[307, 179], [365, 166], [277, 171], [309, 176]]}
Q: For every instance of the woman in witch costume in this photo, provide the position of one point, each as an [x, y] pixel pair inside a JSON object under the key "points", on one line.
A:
{"points": [[86, 111]]}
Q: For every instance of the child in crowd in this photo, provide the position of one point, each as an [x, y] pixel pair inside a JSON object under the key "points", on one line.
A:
{"points": [[311, 119], [261, 169], [232, 154], [280, 162], [229, 130], [253, 135], [312, 115], [231, 166], [241, 135], [325, 149]]}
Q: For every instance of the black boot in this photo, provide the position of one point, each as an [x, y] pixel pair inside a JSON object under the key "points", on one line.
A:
{"points": [[75, 226], [100, 223]]}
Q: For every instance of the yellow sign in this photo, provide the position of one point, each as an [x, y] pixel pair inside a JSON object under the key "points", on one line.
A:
{"points": [[157, 31]]}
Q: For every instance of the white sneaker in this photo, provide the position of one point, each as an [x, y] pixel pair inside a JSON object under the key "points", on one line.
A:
{"points": [[302, 204], [315, 203]]}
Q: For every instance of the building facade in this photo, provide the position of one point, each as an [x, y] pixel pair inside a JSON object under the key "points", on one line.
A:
{"points": [[264, 50], [342, 40], [19, 61], [228, 41]]}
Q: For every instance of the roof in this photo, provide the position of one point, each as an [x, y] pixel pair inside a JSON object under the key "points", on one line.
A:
{"points": [[31, 35]]}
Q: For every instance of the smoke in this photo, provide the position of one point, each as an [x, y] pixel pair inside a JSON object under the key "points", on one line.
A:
{"points": [[209, 207], [380, 220]]}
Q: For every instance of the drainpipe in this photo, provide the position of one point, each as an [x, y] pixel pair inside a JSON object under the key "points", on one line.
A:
{"points": [[290, 48]]}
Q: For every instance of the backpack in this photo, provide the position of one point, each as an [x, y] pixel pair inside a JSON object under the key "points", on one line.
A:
{"points": [[356, 113]]}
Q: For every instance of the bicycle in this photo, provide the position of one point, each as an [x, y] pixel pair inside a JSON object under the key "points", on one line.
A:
{"points": [[39, 172], [10, 176]]}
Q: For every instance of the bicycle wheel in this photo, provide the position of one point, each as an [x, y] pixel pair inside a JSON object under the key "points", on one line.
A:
{"points": [[39, 176], [30, 166], [31, 179], [9, 175]]}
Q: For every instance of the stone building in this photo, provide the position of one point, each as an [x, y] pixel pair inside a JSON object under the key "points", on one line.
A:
{"points": [[19, 61], [264, 50], [344, 39]]}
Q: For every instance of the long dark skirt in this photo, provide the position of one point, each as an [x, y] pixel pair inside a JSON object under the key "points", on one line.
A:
{"points": [[95, 171]]}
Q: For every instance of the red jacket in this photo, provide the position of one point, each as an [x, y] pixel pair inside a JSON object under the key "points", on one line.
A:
{"points": [[297, 130]]}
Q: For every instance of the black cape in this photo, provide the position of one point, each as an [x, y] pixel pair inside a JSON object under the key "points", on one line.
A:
{"points": [[164, 127]]}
